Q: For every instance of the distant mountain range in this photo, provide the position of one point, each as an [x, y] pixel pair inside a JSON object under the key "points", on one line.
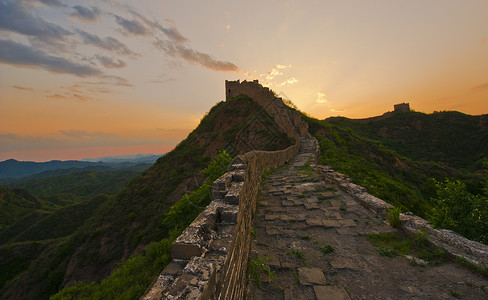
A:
{"points": [[16, 169]]}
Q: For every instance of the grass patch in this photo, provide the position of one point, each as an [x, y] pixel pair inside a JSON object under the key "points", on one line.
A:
{"points": [[326, 249], [480, 269], [306, 238], [393, 217], [307, 168], [296, 252], [322, 198], [257, 268], [391, 245], [253, 233]]}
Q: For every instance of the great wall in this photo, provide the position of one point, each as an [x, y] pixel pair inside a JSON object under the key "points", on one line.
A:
{"points": [[246, 221]]}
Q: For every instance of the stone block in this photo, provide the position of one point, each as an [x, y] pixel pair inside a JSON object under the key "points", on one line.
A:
{"points": [[311, 276], [272, 217], [174, 268], [185, 251], [229, 214], [238, 176], [233, 194], [314, 222], [347, 222], [331, 223], [330, 292]]}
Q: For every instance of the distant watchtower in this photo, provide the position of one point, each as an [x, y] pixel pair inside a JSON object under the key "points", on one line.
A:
{"points": [[402, 108]]}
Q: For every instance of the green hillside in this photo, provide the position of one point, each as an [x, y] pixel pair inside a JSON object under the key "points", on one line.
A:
{"points": [[453, 138], [84, 183], [123, 225]]}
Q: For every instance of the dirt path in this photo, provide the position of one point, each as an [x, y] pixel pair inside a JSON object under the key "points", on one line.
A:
{"points": [[300, 215]]}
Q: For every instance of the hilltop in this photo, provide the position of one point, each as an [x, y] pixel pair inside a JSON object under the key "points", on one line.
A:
{"points": [[449, 137]]}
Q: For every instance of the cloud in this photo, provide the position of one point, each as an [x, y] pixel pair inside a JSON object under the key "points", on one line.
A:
{"points": [[193, 56], [272, 74], [289, 81], [57, 97], [83, 134], [116, 81], [321, 98], [23, 88], [131, 27], [170, 32], [52, 3], [481, 87], [13, 53], [163, 80], [17, 17], [277, 72], [109, 63], [86, 14], [108, 43]]}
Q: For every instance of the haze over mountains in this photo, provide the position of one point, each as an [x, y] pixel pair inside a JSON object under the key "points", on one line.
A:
{"points": [[16, 169]]}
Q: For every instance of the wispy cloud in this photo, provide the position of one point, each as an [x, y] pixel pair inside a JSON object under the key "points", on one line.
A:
{"points": [[276, 76], [289, 81], [109, 63], [52, 3], [16, 16], [193, 56], [23, 88], [131, 27], [481, 87], [13, 53], [85, 14], [170, 32], [83, 134], [108, 43]]}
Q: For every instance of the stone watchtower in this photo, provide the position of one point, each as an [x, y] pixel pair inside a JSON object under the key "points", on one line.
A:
{"points": [[402, 108], [236, 88]]}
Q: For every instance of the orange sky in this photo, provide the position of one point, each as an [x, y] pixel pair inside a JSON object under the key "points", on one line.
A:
{"points": [[84, 79]]}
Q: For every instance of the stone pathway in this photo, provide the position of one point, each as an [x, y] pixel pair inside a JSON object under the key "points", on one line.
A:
{"points": [[302, 217]]}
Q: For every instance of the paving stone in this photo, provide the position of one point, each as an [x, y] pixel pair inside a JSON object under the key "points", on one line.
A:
{"points": [[311, 276], [311, 205], [273, 231], [330, 292], [272, 217], [331, 223], [346, 230], [287, 218], [335, 203], [314, 222], [347, 222], [287, 203], [333, 215]]}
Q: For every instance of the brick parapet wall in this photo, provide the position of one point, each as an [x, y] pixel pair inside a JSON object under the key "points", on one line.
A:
{"points": [[209, 259]]}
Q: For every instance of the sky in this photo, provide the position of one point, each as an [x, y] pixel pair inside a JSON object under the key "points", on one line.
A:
{"points": [[84, 79]]}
